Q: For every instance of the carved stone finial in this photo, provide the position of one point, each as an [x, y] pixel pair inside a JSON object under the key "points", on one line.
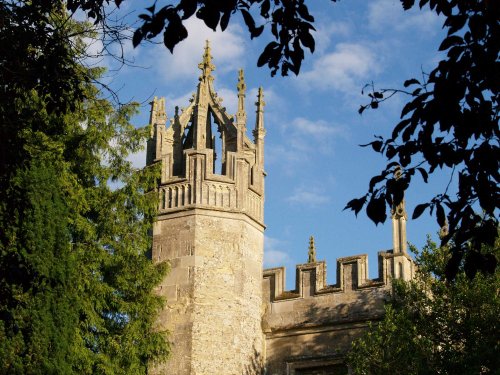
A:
{"points": [[312, 251], [241, 86], [260, 103], [399, 218], [241, 83], [206, 66]]}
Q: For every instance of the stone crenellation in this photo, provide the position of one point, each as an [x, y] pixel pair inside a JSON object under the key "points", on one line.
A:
{"points": [[352, 274], [312, 326]]}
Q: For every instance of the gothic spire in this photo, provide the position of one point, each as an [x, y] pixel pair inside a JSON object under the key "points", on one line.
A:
{"points": [[206, 66], [312, 251], [259, 131], [260, 101], [241, 93], [399, 217]]}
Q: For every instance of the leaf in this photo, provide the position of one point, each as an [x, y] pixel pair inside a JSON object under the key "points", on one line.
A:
{"points": [[249, 21], [455, 22], [377, 145], [410, 106], [450, 41], [174, 33], [453, 264], [419, 210], [410, 82], [188, 8], [356, 205], [304, 12], [376, 209], [390, 152], [264, 8], [375, 180], [210, 15], [257, 31], [407, 4], [137, 38], [399, 127], [145, 17], [265, 56], [307, 40], [424, 174], [416, 91], [224, 21], [441, 217]]}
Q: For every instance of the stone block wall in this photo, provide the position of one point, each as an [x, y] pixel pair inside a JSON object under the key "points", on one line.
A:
{"points": [[213, 292]]}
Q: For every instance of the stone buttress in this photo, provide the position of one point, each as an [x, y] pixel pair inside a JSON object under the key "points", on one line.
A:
{"points": [[210, 229]]}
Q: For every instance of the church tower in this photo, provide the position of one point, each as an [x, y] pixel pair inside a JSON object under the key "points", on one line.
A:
{"points": [[210, 229]]}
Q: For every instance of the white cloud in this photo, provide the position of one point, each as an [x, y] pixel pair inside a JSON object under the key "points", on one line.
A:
{"points": [[305, 135], [228, 48], [384, 15], [310, 195], [328, 31], [94, 52], [344, 69], [316, 129], [274, 255], [181, 101], [303, 139]]}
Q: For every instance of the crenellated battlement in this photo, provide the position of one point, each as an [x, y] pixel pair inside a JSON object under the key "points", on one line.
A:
{"points": [[317, 320], [352, 275], [317, 313]]}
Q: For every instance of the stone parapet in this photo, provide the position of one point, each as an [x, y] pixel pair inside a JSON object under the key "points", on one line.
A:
{"points": [[314, 325], [352, 275]]}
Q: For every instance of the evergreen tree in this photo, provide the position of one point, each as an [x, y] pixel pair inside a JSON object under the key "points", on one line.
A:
{"points": [[76, 283]]}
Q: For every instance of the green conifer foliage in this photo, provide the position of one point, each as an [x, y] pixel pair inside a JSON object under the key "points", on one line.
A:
{"points": [[76, 282], [38, 278]]}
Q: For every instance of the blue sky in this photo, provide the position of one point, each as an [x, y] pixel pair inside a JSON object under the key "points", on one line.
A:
{"points": [[313, 159]]}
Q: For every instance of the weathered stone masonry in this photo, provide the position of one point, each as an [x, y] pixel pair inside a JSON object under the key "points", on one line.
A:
{"points": [[224, 314], [210, 228]]}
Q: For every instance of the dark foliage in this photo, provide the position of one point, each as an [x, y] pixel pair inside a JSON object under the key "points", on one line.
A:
{"points": [[450, 122]]}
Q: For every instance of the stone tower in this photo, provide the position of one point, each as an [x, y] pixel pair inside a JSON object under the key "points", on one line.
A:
{"points": [[210, 229]]}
